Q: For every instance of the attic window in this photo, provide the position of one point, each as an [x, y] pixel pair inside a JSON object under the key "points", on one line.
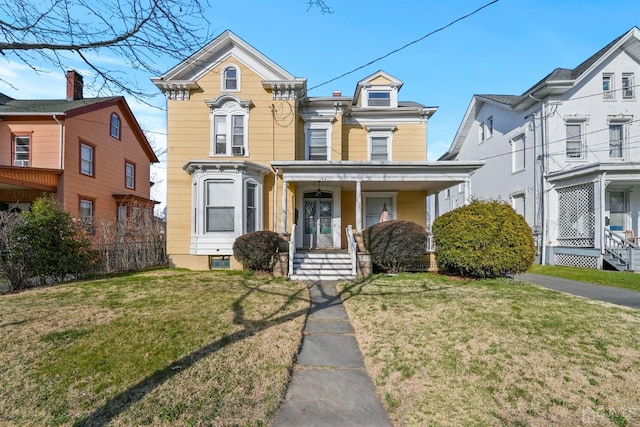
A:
{"points": [[231, 79], [115, 126], [379, 98]]}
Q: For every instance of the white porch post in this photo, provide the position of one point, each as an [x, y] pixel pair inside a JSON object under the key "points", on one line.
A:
{"points": [[358, 206], [283, 214]]}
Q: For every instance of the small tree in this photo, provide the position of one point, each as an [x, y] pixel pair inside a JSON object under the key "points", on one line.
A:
{"points": [[395, 245], [51, 245], [257, 251], [483, 239]]}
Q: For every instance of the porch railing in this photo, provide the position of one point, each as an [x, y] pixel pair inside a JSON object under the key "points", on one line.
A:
{"points": [[620, 249], [292, 248], [353, 249]]}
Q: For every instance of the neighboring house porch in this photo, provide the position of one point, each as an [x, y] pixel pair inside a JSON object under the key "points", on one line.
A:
{"points": [[598, 220]]}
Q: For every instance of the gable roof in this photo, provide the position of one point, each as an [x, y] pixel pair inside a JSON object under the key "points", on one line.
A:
{"points": [[556, 82], [10, 106], [74, 108], [227, 44], [393, 82]]}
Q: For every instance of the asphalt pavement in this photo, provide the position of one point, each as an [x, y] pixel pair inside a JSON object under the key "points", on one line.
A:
{"points": [[608, 294]]}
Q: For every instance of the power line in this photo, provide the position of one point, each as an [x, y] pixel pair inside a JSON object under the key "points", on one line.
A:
{"points": [[406, 45]]}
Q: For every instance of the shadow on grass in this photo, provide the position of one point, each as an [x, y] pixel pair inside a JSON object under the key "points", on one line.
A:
{"points": [[123, 401]]}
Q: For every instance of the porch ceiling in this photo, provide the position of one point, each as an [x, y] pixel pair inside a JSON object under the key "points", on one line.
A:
{"points": [[32, 178], [431, 177]]}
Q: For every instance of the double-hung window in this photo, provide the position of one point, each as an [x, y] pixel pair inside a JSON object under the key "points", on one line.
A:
{"points": [[380, 141], [608, 91], [574, 141], [251, 208], [229, 134], [87, 160], [86, 214], [379, 148], [318, 144], [21, 149], [115, 126], [230, 78], [617, 132], [627, 86], [129, 175], [219, 206]]}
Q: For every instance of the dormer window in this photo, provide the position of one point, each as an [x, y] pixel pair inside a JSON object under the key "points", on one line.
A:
{"points": [[231, 79], [379, 98]]}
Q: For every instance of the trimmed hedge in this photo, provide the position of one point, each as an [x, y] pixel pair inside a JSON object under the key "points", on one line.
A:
{"points": [[483, 239], [257, 250], [395, 245]]}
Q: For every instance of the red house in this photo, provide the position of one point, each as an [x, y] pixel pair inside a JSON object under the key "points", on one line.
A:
{"points": [[89, 153]]}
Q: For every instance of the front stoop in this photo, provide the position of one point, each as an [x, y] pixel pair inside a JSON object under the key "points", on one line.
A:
{"points": [[314, 266]]}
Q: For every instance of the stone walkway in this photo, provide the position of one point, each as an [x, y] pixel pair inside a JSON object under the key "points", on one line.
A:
{"points": [[330, 386]]}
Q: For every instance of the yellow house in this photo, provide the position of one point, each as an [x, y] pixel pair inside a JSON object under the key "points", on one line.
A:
{"points": [[249, 150]]}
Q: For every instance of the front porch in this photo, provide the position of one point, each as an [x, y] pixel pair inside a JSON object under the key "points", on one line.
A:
{"points": [[597, 207], [318, 199]]}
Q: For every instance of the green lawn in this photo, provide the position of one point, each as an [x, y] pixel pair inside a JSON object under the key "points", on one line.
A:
{"points": [[166, 347], [451, 352], [618, 279]]}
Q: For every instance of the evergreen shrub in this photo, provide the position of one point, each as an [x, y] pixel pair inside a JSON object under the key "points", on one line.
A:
{"points": [[483, 239], [257, 250], [395, 245]]}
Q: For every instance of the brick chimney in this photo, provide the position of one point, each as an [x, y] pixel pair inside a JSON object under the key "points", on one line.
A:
{"points": [[74, 85], [337, 93]]}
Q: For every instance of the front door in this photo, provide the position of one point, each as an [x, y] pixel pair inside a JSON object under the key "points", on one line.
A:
{"points": [[617, 210], [318, 214]]}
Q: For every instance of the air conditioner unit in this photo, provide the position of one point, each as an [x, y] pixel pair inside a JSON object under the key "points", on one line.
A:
{"points": [[237, 151], [21, 163]]}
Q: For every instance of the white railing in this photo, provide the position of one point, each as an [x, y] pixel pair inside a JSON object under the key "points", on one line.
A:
{"points": [[292, 248], [353, 249], [619, 248]]}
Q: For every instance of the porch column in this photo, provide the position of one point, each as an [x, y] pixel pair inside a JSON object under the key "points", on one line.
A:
{"points": [[359, 206], [283, 214]]}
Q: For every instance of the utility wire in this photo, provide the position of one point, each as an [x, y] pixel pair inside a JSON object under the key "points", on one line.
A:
{"points": [[406, 45]]}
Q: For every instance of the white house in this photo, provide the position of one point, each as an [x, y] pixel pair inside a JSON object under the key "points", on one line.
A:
{"points": [[566, 155]]}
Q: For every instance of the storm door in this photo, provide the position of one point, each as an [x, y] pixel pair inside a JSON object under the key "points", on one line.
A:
{"points": [[318, 214]]}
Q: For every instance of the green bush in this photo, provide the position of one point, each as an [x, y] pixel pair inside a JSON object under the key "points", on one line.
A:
{"points": [[483, 239], [54, 246], [395, 245], [42, 246], [257, 251]]}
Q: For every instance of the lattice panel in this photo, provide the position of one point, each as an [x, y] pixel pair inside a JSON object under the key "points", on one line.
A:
{"points": [[576, 216], [583, 261]]}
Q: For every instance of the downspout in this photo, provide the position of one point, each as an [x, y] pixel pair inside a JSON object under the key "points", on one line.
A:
{"points": [[275, 200], [543, 194], [60, 143]]}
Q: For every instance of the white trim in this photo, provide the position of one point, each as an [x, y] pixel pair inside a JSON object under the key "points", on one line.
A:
{"points": [[393, 210], [223, 72], [378, 131], [336, 215], [228, 108], [221, 243], [314, 125], [393, 96]]}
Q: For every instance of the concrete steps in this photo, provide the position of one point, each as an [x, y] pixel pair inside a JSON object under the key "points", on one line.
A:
{"points": [[315, 266]]}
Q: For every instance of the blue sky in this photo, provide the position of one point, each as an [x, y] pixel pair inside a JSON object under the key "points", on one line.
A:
{"points": [[503, 49]]}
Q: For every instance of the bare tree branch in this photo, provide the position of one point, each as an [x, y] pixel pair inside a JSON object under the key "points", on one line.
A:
{"points": [[140, 34]]}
